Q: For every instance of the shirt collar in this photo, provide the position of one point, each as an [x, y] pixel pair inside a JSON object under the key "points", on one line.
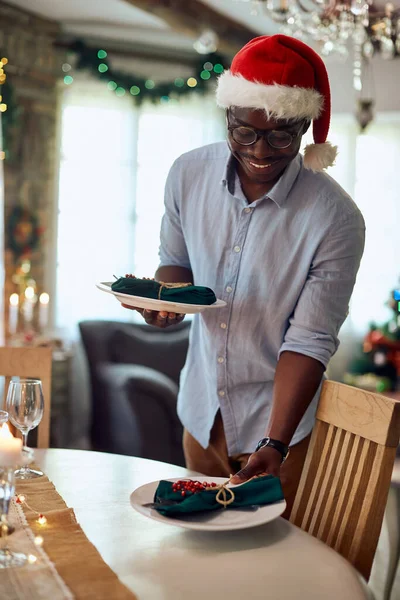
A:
{"points": [[283, 186], [281, 189], [228, 178]]}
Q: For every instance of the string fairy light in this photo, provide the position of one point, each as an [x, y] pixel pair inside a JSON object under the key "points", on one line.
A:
{"points": [[3, 105], [38, 540], [3, 77], [41, 518]]}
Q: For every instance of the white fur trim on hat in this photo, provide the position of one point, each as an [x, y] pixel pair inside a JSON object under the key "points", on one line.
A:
{"points": [[318, 157], [279, 101]]}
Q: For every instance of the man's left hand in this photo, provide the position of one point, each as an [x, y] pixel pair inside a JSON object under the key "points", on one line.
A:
{"points": [[267, 461]]}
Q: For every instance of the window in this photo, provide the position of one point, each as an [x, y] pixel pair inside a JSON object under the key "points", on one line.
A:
{"points": [[114, 162], [96, 195], [366, 168], [377, 195]]}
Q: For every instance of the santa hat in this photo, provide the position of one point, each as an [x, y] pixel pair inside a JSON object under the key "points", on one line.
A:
{"points": [[288, 80]]}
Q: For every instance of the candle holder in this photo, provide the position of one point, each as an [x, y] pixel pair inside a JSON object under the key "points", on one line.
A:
{"points": [[8, 558]]}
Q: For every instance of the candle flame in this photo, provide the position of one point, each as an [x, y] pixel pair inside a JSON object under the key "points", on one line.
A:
{"points": [[44, 298], [5, 432], [29, 292], [14, 299]]}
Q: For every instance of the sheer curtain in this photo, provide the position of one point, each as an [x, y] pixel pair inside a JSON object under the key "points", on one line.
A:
{"points": [[164, 134], [367, 168], [96, 201], [377, 195]]}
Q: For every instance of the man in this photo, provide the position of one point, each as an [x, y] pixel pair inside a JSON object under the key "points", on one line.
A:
{"points": [[281, 243]]}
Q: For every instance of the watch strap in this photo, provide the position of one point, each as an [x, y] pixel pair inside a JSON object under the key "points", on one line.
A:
{"points": [[279, 446]]}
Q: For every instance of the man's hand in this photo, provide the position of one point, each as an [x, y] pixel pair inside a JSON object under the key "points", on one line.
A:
{"points": [[266, 461], [163, 319], [160, 319]]}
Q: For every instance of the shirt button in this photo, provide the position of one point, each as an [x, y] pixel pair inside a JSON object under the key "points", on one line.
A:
{"points": [[229, 289], [237, 248], [247, 210], [223, 325], [221, 393], [220, 359]]}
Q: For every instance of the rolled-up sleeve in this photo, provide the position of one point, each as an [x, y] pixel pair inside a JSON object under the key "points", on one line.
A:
{"points": [[173, 250], [323, 304]]}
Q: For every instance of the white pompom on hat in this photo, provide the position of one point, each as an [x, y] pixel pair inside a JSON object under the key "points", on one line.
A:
{"points": [[288, 80]]}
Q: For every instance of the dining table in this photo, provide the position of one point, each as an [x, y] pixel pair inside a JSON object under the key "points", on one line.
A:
{"points": [[160, 561]]}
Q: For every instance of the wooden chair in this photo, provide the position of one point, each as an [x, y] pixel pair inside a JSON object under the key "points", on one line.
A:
{"points": [[33, 363], [346, 477]]}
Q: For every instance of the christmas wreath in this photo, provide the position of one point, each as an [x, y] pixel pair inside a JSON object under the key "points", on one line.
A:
{"points": [[23, 231]]}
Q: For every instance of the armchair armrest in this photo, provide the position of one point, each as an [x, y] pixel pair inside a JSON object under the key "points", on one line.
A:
{"points": [[135, 413]]}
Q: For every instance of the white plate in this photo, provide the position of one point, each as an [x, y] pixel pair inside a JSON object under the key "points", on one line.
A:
{"points": [[215, 520], [151, 304]]}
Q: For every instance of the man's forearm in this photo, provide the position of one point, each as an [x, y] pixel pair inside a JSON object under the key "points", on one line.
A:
{"points": [[297, 378], [172, 274]]}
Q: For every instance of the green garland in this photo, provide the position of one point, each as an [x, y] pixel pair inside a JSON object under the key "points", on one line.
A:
{"points": [[205, 70], [95, 61], [23, 232]]}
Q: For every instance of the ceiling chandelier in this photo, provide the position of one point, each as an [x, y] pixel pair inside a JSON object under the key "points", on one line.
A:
{"points": [[334, 24]]}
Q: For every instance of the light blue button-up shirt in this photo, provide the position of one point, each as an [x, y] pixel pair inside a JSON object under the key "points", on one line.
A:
{"points": [[285, 265]]}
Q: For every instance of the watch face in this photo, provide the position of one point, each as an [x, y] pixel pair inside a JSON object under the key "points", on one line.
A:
{"points": [[283, 450], [262, 443]]}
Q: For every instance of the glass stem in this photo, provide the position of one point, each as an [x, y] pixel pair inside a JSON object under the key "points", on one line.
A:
{"points": [[24, 468]]}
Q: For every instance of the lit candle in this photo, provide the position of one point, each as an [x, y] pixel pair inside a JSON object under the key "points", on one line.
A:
{"points": [[44, 300], [10, 448], [13, 314], [28, 303]]}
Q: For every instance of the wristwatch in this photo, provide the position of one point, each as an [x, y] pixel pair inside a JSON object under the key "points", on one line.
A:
{"points": [[280, 446]]}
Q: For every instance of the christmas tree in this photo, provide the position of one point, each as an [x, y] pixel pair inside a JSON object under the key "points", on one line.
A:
{"points": [[377, 366]]}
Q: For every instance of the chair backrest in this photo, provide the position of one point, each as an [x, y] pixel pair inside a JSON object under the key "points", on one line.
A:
{"points": [[135, 343], [33, 363], [346, 477]]}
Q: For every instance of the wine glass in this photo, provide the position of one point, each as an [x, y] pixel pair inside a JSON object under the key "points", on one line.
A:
{"points": [[25, 407]]}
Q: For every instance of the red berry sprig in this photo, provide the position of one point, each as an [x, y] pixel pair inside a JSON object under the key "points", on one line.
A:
{"points": [[183, 486]]}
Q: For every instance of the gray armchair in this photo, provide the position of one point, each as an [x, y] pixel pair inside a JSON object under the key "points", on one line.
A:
{"points": [[134, 373]]}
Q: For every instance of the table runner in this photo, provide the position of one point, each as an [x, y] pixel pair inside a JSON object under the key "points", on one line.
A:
{"points": [[68, 566]]}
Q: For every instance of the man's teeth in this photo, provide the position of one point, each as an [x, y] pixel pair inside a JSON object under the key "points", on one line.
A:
{"points": [[260, 166]]}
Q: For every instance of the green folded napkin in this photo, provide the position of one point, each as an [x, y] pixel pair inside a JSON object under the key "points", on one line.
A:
{"points": [[146, 288], [258, 491]]}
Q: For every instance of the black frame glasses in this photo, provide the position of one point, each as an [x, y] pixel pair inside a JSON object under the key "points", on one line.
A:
{"points": [[280, 139]]}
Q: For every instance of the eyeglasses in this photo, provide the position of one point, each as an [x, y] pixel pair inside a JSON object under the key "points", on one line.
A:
{"points": [[247, 136]]}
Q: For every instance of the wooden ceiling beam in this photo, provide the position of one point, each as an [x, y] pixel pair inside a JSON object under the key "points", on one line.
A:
{"points": [[191, 17]]}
